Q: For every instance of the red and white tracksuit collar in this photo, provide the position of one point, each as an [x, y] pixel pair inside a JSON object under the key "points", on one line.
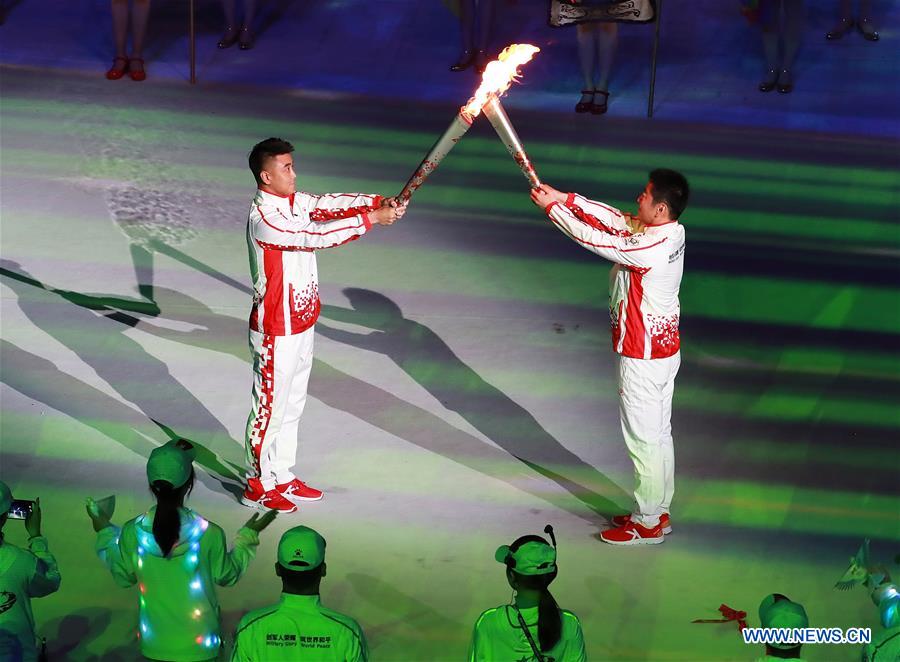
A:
{"points": [[660, 225], [267, 197]]}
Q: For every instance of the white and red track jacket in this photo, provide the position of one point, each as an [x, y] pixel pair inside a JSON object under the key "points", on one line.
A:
{"points": [[282, 234], [646, 277]]}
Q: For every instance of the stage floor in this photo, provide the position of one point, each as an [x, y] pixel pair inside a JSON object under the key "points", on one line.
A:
{"points": [[463, 390]]}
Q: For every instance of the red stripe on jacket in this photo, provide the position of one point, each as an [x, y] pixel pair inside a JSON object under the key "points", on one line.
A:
{"points": [[273, 303], [595, 222], [633, 343], [326, 215], [317, 234]]}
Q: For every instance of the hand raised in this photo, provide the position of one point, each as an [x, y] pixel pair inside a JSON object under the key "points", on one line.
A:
{"points": [[386, 215], [98, 519], [258, 523], [543, 197], [33, 521]]}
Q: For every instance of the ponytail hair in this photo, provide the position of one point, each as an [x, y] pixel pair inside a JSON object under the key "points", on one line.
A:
{"points": [[166, 522], [549, 614]]}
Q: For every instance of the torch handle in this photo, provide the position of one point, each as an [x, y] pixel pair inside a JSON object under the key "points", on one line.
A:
{"points": [[498, 118], [457, 129]]}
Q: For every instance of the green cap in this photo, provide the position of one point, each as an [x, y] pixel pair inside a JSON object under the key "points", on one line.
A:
{"points": [[171, 462], [301, 548], [5, 498], [532, 558], [781, 613]]}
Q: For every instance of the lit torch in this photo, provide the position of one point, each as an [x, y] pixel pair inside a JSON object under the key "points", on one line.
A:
{"points": [[497, 116], [498, 76]]}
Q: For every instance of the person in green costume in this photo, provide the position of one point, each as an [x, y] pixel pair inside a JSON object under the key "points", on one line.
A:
{"points": [[176, 557], [299, 627], [533, 627]]}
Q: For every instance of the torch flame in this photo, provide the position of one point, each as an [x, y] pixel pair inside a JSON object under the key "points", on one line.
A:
{"points": [[499, 74]]}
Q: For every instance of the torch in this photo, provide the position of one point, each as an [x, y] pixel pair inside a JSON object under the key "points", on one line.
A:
{"points": [[497, 116], [498, 76]]}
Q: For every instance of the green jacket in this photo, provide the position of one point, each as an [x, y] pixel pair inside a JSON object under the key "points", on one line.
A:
{"points": [[23, 575], [298, 628], [499, 636], [179, 610]]}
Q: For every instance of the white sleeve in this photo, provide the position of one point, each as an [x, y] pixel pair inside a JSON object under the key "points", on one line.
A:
{"points": [[632, 250], [272, 230], [597, 214], [335, 206]]}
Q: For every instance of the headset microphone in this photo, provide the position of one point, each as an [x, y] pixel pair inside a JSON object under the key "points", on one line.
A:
{"points": [[549, 530]]}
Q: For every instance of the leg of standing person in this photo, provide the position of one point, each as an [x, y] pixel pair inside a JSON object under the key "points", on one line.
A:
{"points": [[275, 360], [119, 10], [845, 22], [467, 36], [770, 21], [140, 13], [248, 38], [230, 36], [607, 40], [586, 34], [794, 15], [866, 27], [667, 442], [283, 454], [641, 413], [483, 29]]}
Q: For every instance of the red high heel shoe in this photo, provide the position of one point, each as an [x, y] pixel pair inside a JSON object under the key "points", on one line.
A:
{"points": [[136, 74], [584, 106], [114, 72]]}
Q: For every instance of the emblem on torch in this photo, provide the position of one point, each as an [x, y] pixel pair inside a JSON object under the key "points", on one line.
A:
{"points": [[498, 76]]}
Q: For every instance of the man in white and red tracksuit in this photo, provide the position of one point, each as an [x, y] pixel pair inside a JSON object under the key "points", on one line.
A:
{"points": [[284, 230], [648, 252]]}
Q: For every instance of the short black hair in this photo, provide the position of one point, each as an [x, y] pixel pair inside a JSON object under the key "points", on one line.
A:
{"points": [[267, 149], [300, 581], [671, 187]]}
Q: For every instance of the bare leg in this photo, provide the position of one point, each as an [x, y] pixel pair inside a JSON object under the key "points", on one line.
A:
{"points": [[770, 22], [228, 11], [587, 57], [846, 11], [485, 22], [845, 22], [607, 40], [119, 10], [865, 20], [467, 24], [230, 35], [770, 19], [247, 37], [794, 13], [139, 15], [467, 36], [249, 13]]}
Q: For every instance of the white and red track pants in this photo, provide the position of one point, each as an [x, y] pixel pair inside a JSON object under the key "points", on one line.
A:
{"points": [[646, 387], [281, 367]]}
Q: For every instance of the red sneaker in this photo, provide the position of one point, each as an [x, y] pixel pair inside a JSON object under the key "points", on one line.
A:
{"points": [[664, 522], [299, 491], [633, 534], [255, 497]]}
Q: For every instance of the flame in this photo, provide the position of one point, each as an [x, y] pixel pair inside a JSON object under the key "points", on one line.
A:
{"points": [[499, 74]]}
